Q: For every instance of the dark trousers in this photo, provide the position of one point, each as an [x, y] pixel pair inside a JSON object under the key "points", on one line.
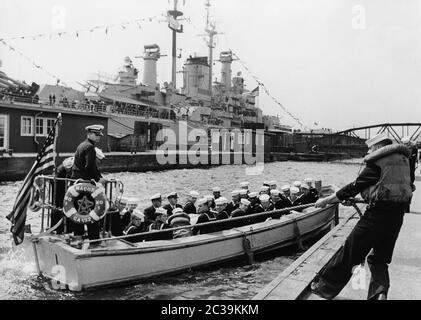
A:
{"points": [[377, 232], [79, 229]]}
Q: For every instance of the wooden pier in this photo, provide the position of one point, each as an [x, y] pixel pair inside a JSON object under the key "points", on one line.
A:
{"points": [[405, 269]]}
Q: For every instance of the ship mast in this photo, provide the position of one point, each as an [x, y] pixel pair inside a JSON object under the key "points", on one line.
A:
{"points": [[175, 26], [211, 33]]}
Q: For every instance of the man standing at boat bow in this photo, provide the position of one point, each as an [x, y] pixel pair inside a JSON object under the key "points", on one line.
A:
{"points": [[85, 165], [385, 185]]}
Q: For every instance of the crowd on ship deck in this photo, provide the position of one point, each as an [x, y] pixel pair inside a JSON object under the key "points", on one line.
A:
{"points": [[18, 95]]}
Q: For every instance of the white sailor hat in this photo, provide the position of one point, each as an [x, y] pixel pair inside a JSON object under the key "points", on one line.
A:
{"points": [[221, 200], [172, 195], [99, 154], [297, 184], [161, 210], [202, 201], [244, 184], [253, 195], [235, 193], [95, 128], [264, 198], [377, 139], [294, 190], [273, 182], [308, 180], [266, 182], [406, 139], [68, 163], [138, 214], [216, 189], [194, 194], [245, 201], [305, 186], [177, 210], [243, 192], [156, 197], [264, 188], [275, 192], [285, 187], [209, 197]]}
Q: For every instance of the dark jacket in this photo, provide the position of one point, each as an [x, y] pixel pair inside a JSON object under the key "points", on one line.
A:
{"points": [[189, 208], [231, 207], [131, 229], [223, 215], [169, 208], [203, 218], [238, 213], [85, 166], [150, 215], [258, 209], [157, 226], [116, 222]]}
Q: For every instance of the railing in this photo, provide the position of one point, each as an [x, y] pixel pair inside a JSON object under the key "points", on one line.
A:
{"points": [[45, 189], [89, 107]]}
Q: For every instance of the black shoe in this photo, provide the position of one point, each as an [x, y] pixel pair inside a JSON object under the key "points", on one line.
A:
{"points": [[381, 296]]}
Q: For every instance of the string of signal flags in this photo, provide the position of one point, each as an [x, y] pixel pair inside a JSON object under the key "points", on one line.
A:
{"points": [[31, 61], [259, 82], [263, 86], [77, 32]]}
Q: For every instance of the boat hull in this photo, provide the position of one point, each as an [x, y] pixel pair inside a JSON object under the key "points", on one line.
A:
{"points": [[121, 262]]}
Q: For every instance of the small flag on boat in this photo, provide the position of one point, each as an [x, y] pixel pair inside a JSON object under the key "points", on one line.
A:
{"points": [[45, 161], [255, 92]]}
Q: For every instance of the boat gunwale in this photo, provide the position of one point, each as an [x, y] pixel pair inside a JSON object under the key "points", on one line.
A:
{"points": [[286, 243], [206, 238]]}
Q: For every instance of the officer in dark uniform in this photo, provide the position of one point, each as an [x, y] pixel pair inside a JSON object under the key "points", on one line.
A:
{"points": [[150, 212], [385, 184], [85, 166], [172, 199]]}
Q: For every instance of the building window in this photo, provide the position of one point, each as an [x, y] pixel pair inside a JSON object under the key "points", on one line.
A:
{"points": [[27, 126], [43, 126], [4, 131], [39, 127], [50, 124]]}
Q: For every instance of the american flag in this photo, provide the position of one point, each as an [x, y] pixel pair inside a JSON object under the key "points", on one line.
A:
{"points": [[44, 161]]}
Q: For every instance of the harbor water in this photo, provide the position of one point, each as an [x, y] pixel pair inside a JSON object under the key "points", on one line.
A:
{"points": [[235, 280]]}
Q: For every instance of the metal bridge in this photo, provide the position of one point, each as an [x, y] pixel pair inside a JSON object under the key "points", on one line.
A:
{"points": [[395, 130]]}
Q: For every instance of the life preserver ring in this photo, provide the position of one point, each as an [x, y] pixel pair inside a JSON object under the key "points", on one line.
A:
{"points": [[90, 201]]}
